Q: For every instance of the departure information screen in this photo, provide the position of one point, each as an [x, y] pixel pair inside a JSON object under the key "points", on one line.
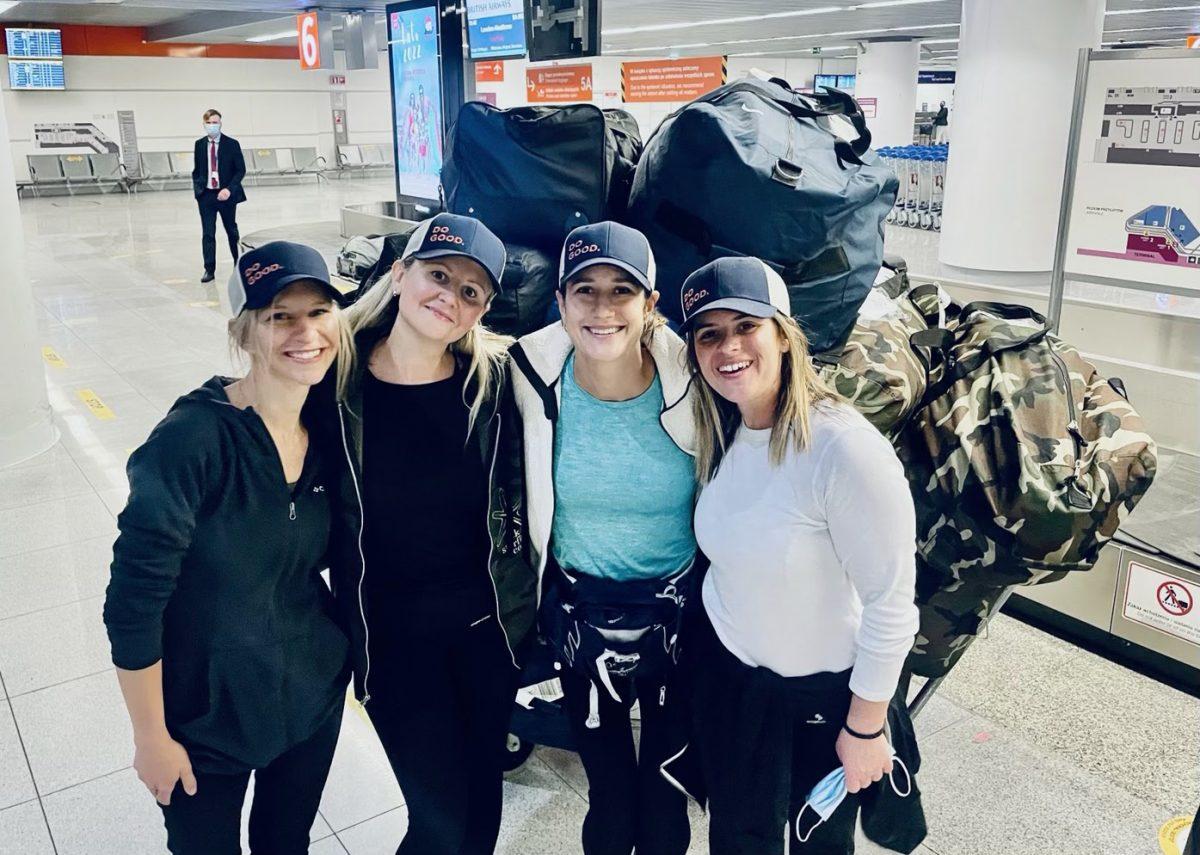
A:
{"points": [[36, 74], [34, 44], [496, 28]]}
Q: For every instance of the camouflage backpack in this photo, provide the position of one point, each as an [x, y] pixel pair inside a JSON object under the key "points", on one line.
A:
{"points": [[1022, 460], [878, 370]]}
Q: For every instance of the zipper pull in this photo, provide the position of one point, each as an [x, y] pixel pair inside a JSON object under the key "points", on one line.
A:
{"points": [[291, 510], [662, 696]]}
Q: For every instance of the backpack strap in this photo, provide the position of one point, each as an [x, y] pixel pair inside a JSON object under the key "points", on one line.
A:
{"points": [[549, 401]]}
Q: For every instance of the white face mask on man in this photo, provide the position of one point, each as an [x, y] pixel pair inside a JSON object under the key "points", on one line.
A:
{"points": [[213, 129]]}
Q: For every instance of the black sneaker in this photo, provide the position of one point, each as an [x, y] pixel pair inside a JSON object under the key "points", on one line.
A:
{"points": [[207, 277]]}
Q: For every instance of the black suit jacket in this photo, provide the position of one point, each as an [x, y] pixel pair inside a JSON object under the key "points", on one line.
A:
{"points": [[231, 168]]}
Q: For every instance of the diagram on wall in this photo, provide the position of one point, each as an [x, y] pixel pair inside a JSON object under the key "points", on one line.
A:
{"points": [[74, 135], [1152, 125], [1159, 234]]}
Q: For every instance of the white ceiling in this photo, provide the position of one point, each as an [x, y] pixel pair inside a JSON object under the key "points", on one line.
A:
{"points": [[650, 27]]}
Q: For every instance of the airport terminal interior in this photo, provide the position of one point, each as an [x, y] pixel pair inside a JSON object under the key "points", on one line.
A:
{"points": [[1046, 154]]}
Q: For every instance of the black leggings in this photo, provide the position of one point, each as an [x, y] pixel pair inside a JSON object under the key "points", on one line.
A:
{"points": [[630, 803], [764, 742], [287, 794], [441, 704]]}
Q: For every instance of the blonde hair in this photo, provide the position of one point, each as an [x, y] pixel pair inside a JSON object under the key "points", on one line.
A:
{"points": [[800, 388], [486, 352], [241, 348]]}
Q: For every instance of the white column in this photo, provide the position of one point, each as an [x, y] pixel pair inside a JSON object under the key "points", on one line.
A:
{"points": [[26, 427], [887, 72], [1012, 116]]}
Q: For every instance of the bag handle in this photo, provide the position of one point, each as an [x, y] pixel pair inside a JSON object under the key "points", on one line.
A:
{"points": [[549, 401]]}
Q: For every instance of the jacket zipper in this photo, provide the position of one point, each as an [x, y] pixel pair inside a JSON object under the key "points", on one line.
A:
{"points": [[292, 510], [491, 545], [1076, 494], [361, 555]]}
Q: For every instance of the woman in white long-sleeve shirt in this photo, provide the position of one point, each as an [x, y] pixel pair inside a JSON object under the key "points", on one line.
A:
{"points": [[808, 606]]}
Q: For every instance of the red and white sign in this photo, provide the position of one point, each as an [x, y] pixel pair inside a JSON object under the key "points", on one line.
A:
{"points": [[1163, 602], [489, 72], [559, 84], [870, 107], [659, 80], [309, 41]]}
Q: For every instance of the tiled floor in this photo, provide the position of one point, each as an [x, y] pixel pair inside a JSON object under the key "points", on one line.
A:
{"points": [[1032, 747]]}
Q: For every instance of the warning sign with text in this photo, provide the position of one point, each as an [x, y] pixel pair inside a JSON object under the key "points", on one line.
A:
{"points": [[560, 84], [1163, 602], [671, 79]]}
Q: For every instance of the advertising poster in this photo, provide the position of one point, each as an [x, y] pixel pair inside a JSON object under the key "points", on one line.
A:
{"points": [[496, 28], [416, 84], [659, 80], [559, 84], [1135, 214]]}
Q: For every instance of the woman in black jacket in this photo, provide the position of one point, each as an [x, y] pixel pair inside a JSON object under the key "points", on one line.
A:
{"points": [[222, 630], [434, 580]]}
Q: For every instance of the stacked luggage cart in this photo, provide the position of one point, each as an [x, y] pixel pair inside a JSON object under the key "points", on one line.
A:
{"points": [[921, 170]]}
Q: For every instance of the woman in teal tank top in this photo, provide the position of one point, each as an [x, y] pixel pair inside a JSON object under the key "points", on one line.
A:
{"points": [[610, 485]]}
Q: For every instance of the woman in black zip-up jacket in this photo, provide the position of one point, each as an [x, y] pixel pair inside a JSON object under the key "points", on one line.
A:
{"points": [[223, 633], [434, 582]]}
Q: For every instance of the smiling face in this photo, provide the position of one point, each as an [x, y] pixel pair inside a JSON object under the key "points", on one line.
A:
{"points": [[604, 311], [296, 337], [442, 298], [741, 358]]}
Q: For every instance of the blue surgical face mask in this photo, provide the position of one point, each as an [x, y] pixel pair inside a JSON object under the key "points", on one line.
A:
{"points": [[213, 128], [830, 792]]}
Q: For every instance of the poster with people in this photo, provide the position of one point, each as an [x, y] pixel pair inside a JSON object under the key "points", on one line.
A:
{"points": [[416, 87]]}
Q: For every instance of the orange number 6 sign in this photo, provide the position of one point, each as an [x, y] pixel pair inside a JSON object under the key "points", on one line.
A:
{"points": [[310, 47]]}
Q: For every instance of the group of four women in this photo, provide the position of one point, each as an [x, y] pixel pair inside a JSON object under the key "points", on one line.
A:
{"points": [[451, 481]]}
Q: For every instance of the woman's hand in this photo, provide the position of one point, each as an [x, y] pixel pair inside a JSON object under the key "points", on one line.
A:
{"points": [[160, 762], [865, 760]]}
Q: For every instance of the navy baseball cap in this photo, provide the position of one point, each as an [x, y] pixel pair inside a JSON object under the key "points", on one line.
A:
{"points": [[452, 234], [740, 284], [266, 270], [607, 243]]}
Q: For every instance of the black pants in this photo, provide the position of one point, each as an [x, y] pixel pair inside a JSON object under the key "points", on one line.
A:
{"points": [[764, 742], [287, 794], [630, 804], [209, 208], [441, 704]]}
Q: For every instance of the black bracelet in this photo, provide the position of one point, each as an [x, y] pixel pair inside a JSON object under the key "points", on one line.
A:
{"points": [[858, 735]]}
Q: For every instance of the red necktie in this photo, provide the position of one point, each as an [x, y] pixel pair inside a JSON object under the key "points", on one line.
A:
{"points": [[212, 162]]}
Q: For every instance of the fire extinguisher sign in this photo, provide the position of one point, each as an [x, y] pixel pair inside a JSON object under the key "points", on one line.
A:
{"points": [[1166, 603]]}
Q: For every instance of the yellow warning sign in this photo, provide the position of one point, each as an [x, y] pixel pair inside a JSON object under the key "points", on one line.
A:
{"points": [[52, 358], [97, 407], [1172, 837]]}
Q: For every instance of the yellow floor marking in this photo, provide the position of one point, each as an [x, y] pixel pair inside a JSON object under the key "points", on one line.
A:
{"points": [[204, 304], [132, 254], [1173, 835], [358, 708], [174, 281], [52, 358], [98, 408]]}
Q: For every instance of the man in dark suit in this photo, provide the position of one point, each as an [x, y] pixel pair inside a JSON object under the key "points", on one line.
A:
{"points": [[217, 181]]}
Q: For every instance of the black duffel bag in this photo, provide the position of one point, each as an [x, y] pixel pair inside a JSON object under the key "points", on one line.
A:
{"points": [[532, 174], [755, 168]]}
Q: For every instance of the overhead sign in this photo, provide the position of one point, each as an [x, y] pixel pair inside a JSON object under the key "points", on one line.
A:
{"points": [[658, 80], [489, 72], [495, 28], [309, 40], [869, 106], [934, 76], [560, 84]]}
